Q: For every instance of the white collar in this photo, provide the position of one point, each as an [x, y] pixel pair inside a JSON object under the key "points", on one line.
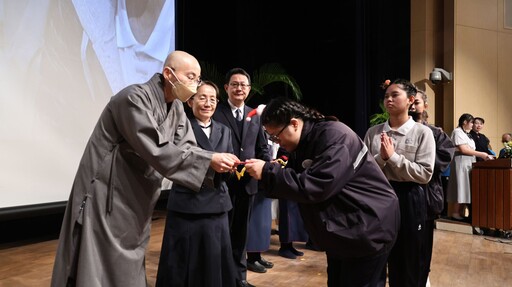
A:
{"points": [[234, 108], [154, 47], [403, 129], [201, 124]]}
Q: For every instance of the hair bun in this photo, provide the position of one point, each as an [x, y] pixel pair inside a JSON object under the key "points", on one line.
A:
{"points": [[385, 84]]}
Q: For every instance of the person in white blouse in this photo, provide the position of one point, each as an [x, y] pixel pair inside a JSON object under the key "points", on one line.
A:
{"points": [[459, 185]]}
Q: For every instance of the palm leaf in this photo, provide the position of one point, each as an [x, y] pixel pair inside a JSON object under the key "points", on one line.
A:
{"points": [[210, 72], [267, 74], [379, 118], [273, 73]]}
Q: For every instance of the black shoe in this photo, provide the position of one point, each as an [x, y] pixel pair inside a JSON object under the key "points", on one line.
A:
{"points": [[296, 252], [265, 263], [256, 267], [286, 253], [244, 283]]}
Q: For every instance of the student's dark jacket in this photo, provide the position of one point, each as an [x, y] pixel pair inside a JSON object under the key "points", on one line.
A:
{"points": [[444, 155], [347, 204]]}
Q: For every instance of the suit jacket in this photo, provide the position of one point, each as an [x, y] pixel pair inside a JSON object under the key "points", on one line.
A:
{"points": [[252, 143], [213, 197]]}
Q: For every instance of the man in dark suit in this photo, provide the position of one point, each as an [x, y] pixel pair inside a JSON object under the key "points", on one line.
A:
{"points": [[249, 141], [197, 222]]}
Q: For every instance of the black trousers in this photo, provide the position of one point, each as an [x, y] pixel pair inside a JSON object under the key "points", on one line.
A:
{"points": [[428, 247], [406, 262], [239, 226], [360, 272]]}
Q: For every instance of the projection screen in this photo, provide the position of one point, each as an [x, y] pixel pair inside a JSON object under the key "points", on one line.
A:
{"points": [[60, 62]]}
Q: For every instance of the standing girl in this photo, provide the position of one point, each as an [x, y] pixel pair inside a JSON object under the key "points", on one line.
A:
{"points": [[405, 151]]}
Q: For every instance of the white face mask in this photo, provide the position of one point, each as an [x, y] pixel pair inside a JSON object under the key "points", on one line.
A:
{"points": [[182, 91]]}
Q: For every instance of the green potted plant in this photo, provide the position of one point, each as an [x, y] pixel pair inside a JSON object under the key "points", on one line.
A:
{"points": [[379, 118]]}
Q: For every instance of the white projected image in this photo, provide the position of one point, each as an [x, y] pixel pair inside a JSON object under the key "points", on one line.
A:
{"points": [[60, 62]]}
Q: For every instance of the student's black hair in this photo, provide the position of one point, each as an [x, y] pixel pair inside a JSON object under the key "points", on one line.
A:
{"points": [[409, 88], [279, 111]]}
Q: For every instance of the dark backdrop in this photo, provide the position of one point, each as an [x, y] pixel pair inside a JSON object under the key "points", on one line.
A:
{"points": [[339, 53]]}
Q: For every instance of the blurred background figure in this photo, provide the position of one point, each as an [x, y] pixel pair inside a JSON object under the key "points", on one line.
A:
{"points": [[505, 139], [482, 142], [434, 189], [459, 185]]}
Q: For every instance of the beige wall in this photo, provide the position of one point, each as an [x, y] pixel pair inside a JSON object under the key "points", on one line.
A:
{"points": [[428, 46], [423, 45], [473, 44]]}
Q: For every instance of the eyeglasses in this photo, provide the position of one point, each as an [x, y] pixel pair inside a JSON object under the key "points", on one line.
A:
{"points": [[203, 99], [190, 78], [275, 137], [241, 85]]}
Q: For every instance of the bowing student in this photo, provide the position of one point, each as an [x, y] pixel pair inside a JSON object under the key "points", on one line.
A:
{"points": [[347, 204]]}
